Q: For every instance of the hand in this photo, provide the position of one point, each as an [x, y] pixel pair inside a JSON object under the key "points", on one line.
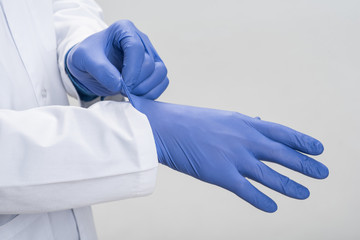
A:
{"points": [[120, 52], [224, 148]]}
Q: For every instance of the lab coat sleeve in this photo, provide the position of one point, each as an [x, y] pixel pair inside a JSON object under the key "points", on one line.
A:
{"points": [[74, 21], [62, 157]]}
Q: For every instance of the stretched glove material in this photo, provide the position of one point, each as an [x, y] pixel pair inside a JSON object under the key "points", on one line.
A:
{"points": [[224, 148], [121, 53]]}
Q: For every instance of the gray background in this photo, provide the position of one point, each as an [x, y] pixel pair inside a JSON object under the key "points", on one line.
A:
{"points": [[292, 62]]}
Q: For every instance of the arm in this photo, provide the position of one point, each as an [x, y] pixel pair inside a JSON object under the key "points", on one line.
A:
{"points": [[61, 157]]}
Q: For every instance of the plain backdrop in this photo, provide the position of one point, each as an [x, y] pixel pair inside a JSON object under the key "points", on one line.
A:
{"points": [[292, 62]]}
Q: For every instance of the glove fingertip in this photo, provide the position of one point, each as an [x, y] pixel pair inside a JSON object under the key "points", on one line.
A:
{"points": [[303, 192], [270, 206], [318, 147], [324, 172]]}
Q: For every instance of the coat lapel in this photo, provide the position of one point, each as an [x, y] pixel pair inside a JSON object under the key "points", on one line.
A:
{"points": [[23, 32]]}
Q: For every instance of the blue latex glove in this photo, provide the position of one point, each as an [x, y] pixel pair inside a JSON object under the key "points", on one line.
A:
{"points": [[224, 148], [121, 53]]}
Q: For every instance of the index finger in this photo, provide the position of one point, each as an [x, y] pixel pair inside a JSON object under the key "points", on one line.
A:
{"points": [[289, 137]]}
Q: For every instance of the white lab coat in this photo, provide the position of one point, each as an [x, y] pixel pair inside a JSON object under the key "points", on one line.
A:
{"points": [[57, 160]]}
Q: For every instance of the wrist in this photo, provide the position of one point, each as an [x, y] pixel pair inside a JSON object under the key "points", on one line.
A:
{"points": [[150, 109]]}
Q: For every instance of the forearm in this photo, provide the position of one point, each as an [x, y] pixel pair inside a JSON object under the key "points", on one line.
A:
{"points": [[62, 157]]}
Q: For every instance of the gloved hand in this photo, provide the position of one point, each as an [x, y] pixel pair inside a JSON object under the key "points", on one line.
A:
{"points": [[98, 64], [224, 148]]}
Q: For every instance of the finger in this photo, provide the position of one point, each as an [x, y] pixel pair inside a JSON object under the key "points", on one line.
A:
{"points": [[263, 174], [149, 47], [283, 155], [134, 53], [158, 90], [157, 76], [147, 69], [245, 190], [105, 73], [289, 137]]}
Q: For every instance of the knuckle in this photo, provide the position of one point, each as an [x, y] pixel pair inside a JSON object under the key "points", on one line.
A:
{"points": [[127, 22], [165, 84], [148, 62], [281, 149], [135, 45], [145, 36], [272, 129], [296, 139], [312, 168], [123, 22], [117, 25], [242, 185], [161, 67], [275, 149], [150, 65], [259, 171], [234, 115], [150, 96], [140, 91], [80, 50], [131, 44], [305, 165], [122, 29], [101, 65], [80, 55], [284, 182], [165, 69]]}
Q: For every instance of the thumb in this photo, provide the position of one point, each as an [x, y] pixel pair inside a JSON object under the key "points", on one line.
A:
{"points": [[106, 75]]}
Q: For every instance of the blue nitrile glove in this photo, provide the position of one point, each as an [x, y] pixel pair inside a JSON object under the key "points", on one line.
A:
{"points": [[224, 148], [98, 64]]}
